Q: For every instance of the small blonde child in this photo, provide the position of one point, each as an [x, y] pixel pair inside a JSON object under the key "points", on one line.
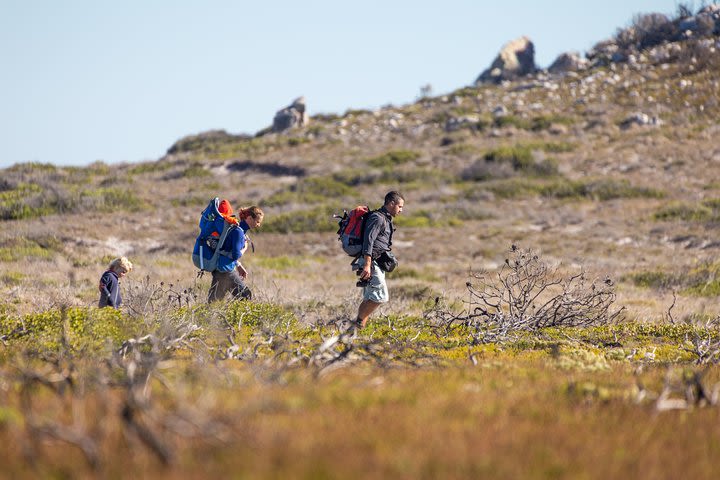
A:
{"points": [[110, 282]]}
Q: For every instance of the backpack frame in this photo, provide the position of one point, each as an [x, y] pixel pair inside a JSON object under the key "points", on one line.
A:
{"points": [[214, 229]]}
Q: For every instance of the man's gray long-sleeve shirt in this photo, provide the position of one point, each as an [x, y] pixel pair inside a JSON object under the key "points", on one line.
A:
{"points": [[377, 237]]}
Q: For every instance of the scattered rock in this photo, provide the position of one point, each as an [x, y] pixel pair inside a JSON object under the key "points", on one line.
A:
{"points": [[456, 123], [558, 129], [602, 52], [499, 111], [640, 119], [568, 62]]}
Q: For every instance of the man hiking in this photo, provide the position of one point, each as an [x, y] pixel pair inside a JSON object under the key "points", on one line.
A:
{"points": [[375, 257]]}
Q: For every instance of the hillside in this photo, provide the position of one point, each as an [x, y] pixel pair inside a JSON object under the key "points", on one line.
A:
{"points": [[613, 169], [554, 314]]}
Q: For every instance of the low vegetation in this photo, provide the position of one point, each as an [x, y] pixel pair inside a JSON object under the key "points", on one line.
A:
{"points": [[393, 158], [159, 386], [705, 211], [535, 124], [37, 190], [703, 280], [312, 190], [316, 219]]}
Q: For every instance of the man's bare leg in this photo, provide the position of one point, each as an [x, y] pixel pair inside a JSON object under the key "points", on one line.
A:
{"points": [[367, 307]]}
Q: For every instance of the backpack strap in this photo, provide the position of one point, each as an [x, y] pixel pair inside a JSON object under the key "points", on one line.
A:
{"points": [[388, 223], [227, 228]]}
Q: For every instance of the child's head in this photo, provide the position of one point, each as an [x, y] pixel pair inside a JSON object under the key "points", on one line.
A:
{"points": [[121, 265]]}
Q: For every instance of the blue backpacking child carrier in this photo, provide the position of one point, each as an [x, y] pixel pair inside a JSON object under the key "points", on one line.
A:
{"points": [[214, 229]]}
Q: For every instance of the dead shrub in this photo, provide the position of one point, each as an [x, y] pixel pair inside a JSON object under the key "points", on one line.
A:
{"points": [[526, 295]]}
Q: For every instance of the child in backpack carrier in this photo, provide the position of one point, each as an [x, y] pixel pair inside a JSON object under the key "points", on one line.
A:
{"points": [[109, 285]]}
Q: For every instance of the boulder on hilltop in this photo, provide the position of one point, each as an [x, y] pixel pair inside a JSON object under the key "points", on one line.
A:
{"points": [[292, 116], [568, 62], [516, 59]]}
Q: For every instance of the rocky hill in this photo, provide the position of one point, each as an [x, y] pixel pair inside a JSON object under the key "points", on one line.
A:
{"points": [[609, 163]]}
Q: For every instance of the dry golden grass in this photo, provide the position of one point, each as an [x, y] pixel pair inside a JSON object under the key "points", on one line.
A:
{"points": [[504, 418]]}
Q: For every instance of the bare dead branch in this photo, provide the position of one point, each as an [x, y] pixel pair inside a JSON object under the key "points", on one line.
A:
{"points": [[527, 295]]}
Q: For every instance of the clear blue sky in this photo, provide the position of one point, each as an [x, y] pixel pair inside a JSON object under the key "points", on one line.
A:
{"points": [[86, 80]]}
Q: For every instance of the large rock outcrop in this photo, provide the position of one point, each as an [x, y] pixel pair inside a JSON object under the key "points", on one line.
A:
{"points": [[516, 59], [292, 116]]}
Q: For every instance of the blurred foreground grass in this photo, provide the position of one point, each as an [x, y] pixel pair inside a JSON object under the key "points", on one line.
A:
{"points": [[249, 392]]}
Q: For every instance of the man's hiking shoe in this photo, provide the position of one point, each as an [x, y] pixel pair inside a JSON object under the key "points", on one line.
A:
{"points": [[351, 327]]}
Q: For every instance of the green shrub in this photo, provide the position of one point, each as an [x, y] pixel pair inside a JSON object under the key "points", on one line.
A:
{"points": [[713, 203], [258, 314], [12, 278], [29, 168], [504, 161], [427, 218], [149, 167], [708, 289], [357, 112], [296, 141], [465, 92], [541, 122], [706, 211], [357, 176], [208, 142], [508, 188], [551, 147], [685, 212], [30, 200], [310, 191], [544, 122], [411, 273], [318, 219], [653, 279], [196, 170], [86, 329], [561, 188], [394, 176], [460, 149], [315, 130], [23, 202], [393, 158], [704, 280], [325, 117], [21, 248], [602, 190], [110, 200], [512, 121], [519, 157]]}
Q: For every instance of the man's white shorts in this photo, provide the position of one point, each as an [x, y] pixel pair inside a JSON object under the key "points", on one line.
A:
{"points": [[376, 290]]}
